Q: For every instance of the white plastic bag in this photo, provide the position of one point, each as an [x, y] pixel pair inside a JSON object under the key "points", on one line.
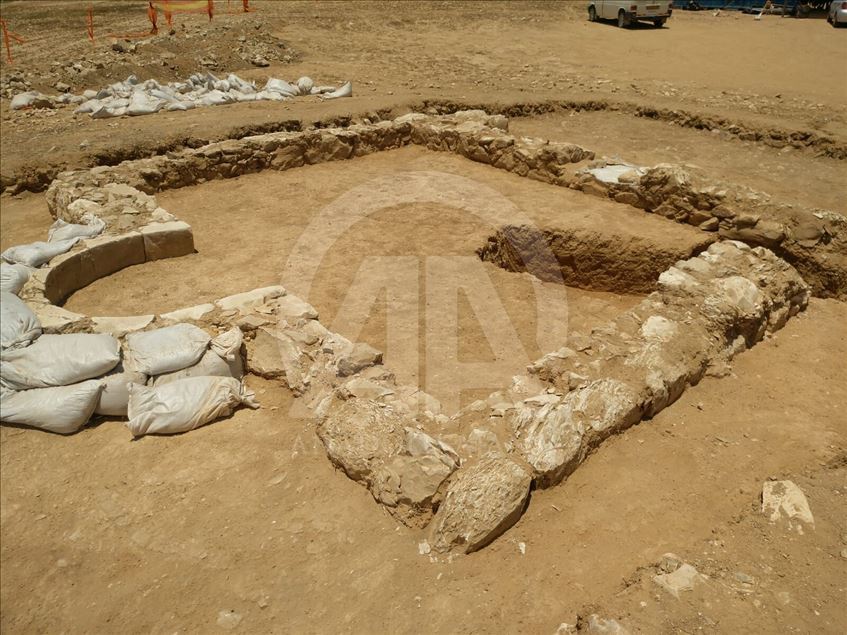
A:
{"points": [[140, 103], [59, 360], [210, 365], [30, 98], [166, 349], [115, 397], [60, 230], [62, 409], [346, 90], [184, 405], [13, 277], [228, 344], [18, 324], [36, 254]]}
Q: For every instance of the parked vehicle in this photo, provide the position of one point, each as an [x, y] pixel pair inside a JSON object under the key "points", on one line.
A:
{"points": [[837, 14], [627, 12]]}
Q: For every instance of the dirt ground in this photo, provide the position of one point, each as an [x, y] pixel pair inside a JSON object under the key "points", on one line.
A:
{"points": [[163, 535]]}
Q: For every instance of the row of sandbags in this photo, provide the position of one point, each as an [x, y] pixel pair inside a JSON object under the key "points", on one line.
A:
{"points": [[60, 238], [18, 324], [165, 381], [133, 97]]}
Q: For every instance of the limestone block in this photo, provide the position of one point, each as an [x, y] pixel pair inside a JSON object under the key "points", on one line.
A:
{"points": [[482, 502], [109, 254], [167, 240], [249, 299], [54, 318], [360, 356], [195, 312], [120, 326]]}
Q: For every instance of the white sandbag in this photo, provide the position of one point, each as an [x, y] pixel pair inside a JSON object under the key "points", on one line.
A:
{"points": [[29, 98], [115, 396], [239, 84], [62, 409], [215, 98], [13, 277], [36, 254], [106, 112], [60, 230], [166, 349], [228, 344], [210, 365], [140, 103], [179, 105], [18, 324], [59, 360], [282, 87], [305, 85], [268, 95], [344, 91], [184, 405], [165, 94]]}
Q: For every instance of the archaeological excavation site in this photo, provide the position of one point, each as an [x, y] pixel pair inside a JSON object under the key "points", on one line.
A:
{"points": [[484, 335]]}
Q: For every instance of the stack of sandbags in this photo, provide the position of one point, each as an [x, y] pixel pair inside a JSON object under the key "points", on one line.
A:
{"points": [[56, 382], [193, 379], [49, 384], [60, 238], [13, 277]]}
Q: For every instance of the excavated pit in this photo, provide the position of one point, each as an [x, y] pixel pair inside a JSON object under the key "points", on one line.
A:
{"points": [[584, 259], [246, 230]]}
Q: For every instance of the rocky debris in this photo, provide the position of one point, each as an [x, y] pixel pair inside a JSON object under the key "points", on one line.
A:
{"points": [[784, 498], [680, 194], [403, 467], [596, 624], [727, 298], [815, 242], [678, 577], [482, 502], [360, 356], [229, 619]]}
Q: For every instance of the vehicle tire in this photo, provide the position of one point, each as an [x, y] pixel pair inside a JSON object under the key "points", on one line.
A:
{"points": [[592, 14], [623, 21], [659, 22]]}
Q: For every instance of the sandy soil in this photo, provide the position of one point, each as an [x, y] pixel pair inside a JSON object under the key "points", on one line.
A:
{"points": [[102, 534], [269, 218], [162, 534]]}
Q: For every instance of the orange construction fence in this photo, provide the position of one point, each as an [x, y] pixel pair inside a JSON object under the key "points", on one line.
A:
{"points": [[7, 36], [168, 8]]}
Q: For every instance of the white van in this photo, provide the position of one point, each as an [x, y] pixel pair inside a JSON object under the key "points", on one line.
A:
{"points": [[628, 11]]}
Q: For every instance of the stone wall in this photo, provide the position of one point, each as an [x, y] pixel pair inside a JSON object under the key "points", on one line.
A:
{"points": [[467, 476]]}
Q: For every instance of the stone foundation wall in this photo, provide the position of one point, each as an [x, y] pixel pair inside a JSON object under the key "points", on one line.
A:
{"points": [[467, 477]]}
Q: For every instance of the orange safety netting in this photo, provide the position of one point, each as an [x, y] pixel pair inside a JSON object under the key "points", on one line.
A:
{"points": [[89, 23], [7, 36]]}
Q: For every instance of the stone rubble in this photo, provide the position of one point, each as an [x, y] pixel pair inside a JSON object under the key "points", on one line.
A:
{"points": [[466, 478], [785, 499]]}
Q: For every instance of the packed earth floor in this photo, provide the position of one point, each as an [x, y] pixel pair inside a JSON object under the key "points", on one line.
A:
{"points": [[244, 524]]}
